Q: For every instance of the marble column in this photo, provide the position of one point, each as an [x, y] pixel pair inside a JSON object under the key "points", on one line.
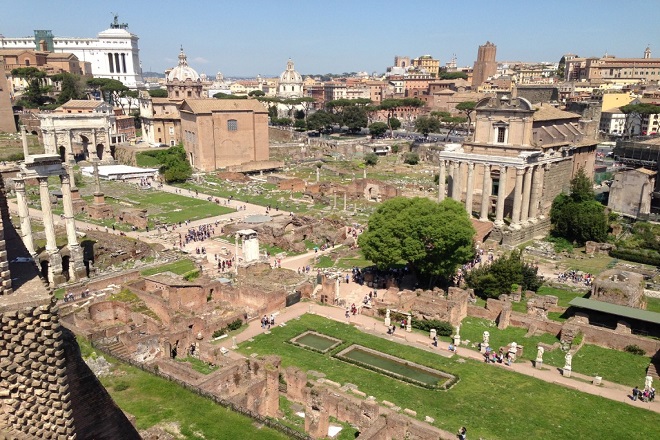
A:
{"points": [[537, 189], [49, 226], [485, 194], [24, 215], [344, 200], [54, 257], [501, 196], [517, 198], [92, 153], [441, 181], [76, 262], [456, 181], [527, 193], [469, 188], [107, 154], [26, 152]]}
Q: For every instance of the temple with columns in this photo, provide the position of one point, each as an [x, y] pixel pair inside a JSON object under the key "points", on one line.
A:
{"points": [[519, 159]]}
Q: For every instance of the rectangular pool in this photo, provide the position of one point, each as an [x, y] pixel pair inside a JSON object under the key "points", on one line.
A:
{"points": [[316, 341], [395, 366]]}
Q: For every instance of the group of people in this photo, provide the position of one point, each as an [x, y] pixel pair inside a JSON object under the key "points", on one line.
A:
{"points": [[304, 269], [69, 296], [576, 277], [267, 322], [646, 395], [490, 356], [200, 233], [224, 265]]}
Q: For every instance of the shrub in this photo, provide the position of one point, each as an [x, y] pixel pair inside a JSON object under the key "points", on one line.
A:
{"points": [[638, 256], [234, 325], [411, 159], [121, 386], [635, 349], [395, 148], [370, 159]]}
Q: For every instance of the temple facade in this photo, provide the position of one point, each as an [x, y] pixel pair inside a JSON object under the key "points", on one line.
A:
{"points": [[518, 160]]}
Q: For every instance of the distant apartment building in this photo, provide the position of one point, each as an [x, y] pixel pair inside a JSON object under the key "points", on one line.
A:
{"points": [[426, 64], [112, 54], [609, 67]]}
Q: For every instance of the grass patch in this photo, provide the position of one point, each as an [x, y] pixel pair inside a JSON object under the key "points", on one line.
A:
{"points": [[198, 365], [145, 161], [349, 263], [59, 293], [153, 400], [497, 409], [653, 304], [564, 295], [180, 267], [324, 262], [134, 301]]}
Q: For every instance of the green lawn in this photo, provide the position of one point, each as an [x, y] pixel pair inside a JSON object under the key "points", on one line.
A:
{"points": [[613, 365], [178, 267], [653, 304], [198, 365], [153, 400], [324, 262], [565, 296], [146, 161], [492, 402]]}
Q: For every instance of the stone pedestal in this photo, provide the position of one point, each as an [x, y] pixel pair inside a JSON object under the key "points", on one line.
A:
{"points": [[409, 323], [597, 380], [433, 333], [457, 340], [234, 346], [388, 322], [538, 364], [566, 372], [483, 347]]}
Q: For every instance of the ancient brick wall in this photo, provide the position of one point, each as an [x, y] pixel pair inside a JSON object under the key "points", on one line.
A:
{"points": [[109, 312]]}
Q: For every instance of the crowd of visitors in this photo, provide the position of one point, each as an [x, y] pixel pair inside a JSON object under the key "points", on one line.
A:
{"points": [[576, 277]]}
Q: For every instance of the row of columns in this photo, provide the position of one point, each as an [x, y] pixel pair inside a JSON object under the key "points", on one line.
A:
{"points": [[526, 193], [76, 263]]}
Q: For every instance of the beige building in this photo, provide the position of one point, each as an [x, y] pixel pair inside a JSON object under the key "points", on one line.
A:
{"points": [[427, 64], [631, 192], [612, 68], [519, 159], [218, 133]]}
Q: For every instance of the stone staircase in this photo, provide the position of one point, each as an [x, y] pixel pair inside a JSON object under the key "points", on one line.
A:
{"points": [[118, 349], [654, 367]]}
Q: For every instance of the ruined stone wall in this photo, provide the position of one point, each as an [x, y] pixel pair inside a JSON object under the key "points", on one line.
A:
{"points": [[257, 300], [157, 305], [109, 312], [179, 370], [187, 297], [555, 181]]}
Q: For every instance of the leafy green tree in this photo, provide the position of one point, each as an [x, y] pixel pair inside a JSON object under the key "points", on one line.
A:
{"points": [[175, 166], [411, 158], [636, 112], [221, 95], [453, 75], [496, 279], [371, 159], [35, 94], [158, 93], [255, 93], [390, 105], [299, 125], [561, 68], [427, 124], [111, 90], [71, 87], [468, 108], [354, 117], [320, 120], [394, 123], [377, 128], [299, 114], [434, 239], [579, 217]]}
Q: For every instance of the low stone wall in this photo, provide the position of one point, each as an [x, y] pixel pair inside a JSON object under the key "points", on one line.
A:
{"points": [[109, 312], [180, 370]]}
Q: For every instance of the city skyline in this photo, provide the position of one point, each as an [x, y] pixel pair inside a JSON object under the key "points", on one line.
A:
{"points": [[347, 36]]}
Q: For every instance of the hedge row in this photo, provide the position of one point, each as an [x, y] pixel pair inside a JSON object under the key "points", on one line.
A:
{"points": [[644, 257]]}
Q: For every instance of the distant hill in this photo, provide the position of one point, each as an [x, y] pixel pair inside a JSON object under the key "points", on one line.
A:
{"points": [[153, 75]]}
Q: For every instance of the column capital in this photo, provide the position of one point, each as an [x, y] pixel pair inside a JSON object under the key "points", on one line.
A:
{"points": [[470, 166], [520, 171], [19, 184], [43, 180], [65, 178]]}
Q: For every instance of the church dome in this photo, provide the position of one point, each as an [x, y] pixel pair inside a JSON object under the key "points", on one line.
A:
{"points": [[290, 76], [183, 71]]}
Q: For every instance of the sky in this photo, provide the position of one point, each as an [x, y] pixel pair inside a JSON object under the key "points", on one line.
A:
{"points": [[246, 38]]}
